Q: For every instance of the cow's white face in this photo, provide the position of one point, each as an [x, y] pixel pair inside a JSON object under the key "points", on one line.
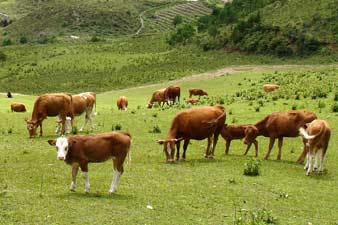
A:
{"points": [[62, 147]]}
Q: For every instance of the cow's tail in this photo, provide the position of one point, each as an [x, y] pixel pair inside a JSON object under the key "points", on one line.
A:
{"points": [[129, 148], [304, 134]]}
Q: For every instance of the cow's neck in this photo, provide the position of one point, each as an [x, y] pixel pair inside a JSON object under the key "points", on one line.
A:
{"points": [[261, 126]]}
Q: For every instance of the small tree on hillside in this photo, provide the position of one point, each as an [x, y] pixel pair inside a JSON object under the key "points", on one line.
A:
{"points": [[177, 20]]}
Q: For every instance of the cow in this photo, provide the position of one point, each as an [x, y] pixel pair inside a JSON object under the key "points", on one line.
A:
{"points": [[18, 107], [82, 103], [280, 125], [270, 87], [9, 94], [197, 124], [317, 136], [195, 91], [171, 93], [158, 96], [122, 103], [77, 151], [56, 104], [233, 132], [192, 101]]}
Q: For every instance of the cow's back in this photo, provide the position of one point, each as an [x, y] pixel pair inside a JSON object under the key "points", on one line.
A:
{"points": [[52, 104]]}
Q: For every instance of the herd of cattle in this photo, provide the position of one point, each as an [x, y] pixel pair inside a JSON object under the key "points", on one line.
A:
{"points": [[197, 123]]}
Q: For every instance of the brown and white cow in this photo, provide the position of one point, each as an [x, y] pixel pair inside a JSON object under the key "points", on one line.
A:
{"points": [[158, 96], [192, 101], [80, 150], [57, 104], [280, 125], [317, 135], [233, 132], [18, 107], [270, 87], [122, 103], [171, 93], [81, 103], [197, 124], [195, 91]]}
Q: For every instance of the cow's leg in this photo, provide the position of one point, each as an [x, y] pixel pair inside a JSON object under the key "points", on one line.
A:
{"points": [[185, 146], [256, 148], [207, 150], [40, 128], [214, 143], [84, 169], [280, 144], [227, 146], [307, 162], [272, 141], [322, 157], [85, 122], [118, 170], [178, 146], [310, 160], [304, 153], [317, 155], [91, 118], [75, 169], [247, 148]]}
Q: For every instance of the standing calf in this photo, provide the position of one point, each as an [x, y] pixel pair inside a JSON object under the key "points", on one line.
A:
{"points": [[18, 107], [233, 132], [80, 150], [317, 134]]}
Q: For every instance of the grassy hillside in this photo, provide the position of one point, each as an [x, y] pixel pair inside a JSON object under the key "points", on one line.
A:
{"points": [[76, 66], [34, 184]]}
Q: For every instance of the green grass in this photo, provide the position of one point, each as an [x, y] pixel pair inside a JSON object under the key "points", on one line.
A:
{"points": [[34, 185]]}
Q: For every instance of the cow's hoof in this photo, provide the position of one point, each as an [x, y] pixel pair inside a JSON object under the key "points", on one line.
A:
{"points": [[210, 157], [112, 191]]}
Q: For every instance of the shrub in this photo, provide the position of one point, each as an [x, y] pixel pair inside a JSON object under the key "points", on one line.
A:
{"points": [[23, 40], [335, 107], [156, 130], [335, 95], [6, 42], [321, 104], [116, 127], [260, 217], [3, 56], [183, 35], [252, 168], [94, 39], [177, 20]]}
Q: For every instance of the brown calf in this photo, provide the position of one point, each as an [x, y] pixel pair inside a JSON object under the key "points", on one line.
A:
{"points": [[122, 103], [18, 107], [50, 105], [270, 87], [195, 91], [192, 101], [233, 132], [195, 123], [280, 125], [80, 150], [317, 136]]}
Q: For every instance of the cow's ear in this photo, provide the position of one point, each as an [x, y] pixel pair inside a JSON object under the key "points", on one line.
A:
{"points": [[161, 142], [52, 142], [71, 142]]}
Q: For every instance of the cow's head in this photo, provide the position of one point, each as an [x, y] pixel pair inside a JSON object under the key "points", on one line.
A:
{"points": [[251, 132], [169, 147], [309, 116], [31, 127], [149, 105], [62, 145]]}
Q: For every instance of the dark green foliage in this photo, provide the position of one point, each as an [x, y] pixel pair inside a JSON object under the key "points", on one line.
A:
{"points": [[116, 127], [249, 217], [252, 167], [94, 39], [177, 20], [156, 130], [23, 40], [335, 107], [6, 42], [3, 56], [183, 35]]}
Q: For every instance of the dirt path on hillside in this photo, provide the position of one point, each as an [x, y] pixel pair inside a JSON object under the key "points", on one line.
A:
{"points": [[239, 69]]}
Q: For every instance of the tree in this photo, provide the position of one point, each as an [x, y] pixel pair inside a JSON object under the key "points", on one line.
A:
{"points": [[177, 20]]}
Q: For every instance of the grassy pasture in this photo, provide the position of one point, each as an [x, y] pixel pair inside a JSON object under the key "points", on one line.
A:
{"points": [[34, 185]]}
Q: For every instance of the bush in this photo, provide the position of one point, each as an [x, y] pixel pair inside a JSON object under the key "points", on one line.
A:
{"points": [[183, 35], [116, 127], [23, 40], [335, 107], [156, 130], [252, 167], [177, 20], [260, 217], [94, 39], [3, 56], [6, 42]]}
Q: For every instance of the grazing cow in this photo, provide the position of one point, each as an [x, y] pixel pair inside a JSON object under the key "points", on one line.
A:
{"points": [[279, 125], [233, 132], [270, 87], [317, 136], [195, 91], [158, 96], [9, 94], [80, 150], [195, 123], [122, 103], [58, 104], [171, 92], [82, 103], [192, 101], [18, 107]]}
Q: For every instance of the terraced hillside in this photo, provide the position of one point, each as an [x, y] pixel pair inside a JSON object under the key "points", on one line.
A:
{"points": [[162, 19]]}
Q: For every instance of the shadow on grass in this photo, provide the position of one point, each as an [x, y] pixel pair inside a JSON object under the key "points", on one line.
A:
{"points": [[95, 195]]}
